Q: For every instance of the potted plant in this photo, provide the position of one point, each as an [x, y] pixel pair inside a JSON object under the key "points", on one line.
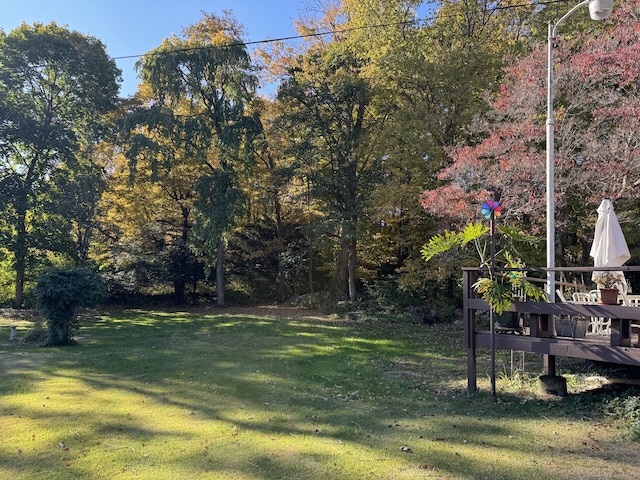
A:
{"points": [[608, 286], [498, 288]]}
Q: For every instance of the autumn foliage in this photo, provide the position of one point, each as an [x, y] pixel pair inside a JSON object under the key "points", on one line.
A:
{"points": [[596, 143]]}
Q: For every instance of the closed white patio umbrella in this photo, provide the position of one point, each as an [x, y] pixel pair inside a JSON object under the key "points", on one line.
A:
{"points": [[609, 247]]}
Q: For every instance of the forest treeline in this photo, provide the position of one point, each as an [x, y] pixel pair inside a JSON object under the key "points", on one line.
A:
{"points": [[389, 121]]}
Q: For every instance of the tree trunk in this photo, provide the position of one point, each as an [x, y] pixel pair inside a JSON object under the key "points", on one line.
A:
{"points": [[310, 253], [342, 274], [182, 264], [178, 291], [20, 259], [348, 261], [19, 292], [349, 229], [352, 263], [282, 287], [220, 273], [194, 291]]}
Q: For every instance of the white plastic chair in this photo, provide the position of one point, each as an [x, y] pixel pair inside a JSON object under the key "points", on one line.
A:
{"points": [[630, 300], [583, 297], [602, 326], [597, 325], [560, 296]]}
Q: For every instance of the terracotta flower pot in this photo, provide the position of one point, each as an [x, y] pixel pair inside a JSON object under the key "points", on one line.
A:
{"points": [[609, 296]]}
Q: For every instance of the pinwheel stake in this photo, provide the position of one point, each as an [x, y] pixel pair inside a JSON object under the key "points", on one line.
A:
{"points": [[491, 210]]}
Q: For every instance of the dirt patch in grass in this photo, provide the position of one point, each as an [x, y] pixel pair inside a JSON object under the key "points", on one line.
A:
{"points": [[17, 315], [272, 311], [279, 311]]}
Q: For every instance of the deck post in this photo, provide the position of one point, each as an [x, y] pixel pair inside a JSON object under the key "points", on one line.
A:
{"points": [[620, 332], [549, 365]]}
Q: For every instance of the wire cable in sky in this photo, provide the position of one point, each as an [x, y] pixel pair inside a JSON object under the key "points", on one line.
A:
{"points": [[328, 32]]}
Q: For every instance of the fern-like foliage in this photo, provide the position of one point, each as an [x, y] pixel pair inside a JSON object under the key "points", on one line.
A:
{"points": [[501, 287], [497, 294], [439, 244], [473, 232]]}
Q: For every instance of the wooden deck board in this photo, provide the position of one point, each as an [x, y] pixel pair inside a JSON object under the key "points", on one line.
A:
{"points": [[589, 348], [539, 338]]}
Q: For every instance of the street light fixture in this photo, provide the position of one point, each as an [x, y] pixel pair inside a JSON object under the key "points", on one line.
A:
{"points": [[598, 10]]}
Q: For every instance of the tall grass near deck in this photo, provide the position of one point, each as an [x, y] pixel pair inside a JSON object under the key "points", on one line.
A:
{"points": [[250, 394]]}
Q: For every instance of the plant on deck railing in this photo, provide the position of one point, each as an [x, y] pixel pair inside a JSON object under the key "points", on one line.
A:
{"points": [[499, 288], [608, 279]]}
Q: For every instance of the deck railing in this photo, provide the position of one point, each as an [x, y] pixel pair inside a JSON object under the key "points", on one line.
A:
{"points": [[538, 333]]}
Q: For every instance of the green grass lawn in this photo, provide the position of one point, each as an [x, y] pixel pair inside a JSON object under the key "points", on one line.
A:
{"points": [[272, 394]]}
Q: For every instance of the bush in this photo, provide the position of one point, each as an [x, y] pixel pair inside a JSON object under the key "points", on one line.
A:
{"points": [[36, 336], [387, 295], [60, 292], [627, 410]]}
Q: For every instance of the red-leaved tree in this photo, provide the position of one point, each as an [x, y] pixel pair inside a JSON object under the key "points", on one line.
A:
{"points": [[597, 147]]}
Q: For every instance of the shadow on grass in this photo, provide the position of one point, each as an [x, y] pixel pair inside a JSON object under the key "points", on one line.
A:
{"points": [[326, 383]]}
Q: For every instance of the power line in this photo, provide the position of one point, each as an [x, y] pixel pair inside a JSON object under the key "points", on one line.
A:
{"points": [[423, 20]]}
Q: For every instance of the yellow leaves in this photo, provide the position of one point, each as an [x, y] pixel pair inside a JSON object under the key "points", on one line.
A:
{"points": [[129, 205]]}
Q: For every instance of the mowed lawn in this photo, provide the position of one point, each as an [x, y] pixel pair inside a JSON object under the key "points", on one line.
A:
{"points": [[272, 393]]}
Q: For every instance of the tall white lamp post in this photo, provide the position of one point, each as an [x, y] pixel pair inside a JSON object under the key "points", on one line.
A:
{"points": [[598, 10]]}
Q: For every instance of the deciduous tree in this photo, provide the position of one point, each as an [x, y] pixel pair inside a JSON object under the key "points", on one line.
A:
{"points": [[55, 88], [596, 149], [326, 102], [200, 86]]}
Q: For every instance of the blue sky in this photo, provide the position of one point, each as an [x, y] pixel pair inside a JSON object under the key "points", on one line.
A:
{"points": [[134, 27]]}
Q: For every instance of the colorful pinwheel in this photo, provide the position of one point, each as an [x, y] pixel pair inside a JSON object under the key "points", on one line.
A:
{"points": [[490, 207]]}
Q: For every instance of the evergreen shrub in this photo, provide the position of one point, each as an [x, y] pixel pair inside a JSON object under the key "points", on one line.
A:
{"points": [[59, 292]]}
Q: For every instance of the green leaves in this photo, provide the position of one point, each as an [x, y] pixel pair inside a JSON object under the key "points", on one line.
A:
{"points": [[439, 244], [501, 287], [516, 235], [56, 89], [472, 233], [60, 291], [219, 202], [498, 294]]}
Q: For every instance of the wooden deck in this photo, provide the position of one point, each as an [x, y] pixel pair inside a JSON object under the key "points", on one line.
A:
{"points": [[539, 335]]}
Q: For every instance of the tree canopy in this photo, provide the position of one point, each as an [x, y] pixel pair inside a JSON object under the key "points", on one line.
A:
{"points": [[56, 87], [199, 87], [390, 123], [595, 149]]}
